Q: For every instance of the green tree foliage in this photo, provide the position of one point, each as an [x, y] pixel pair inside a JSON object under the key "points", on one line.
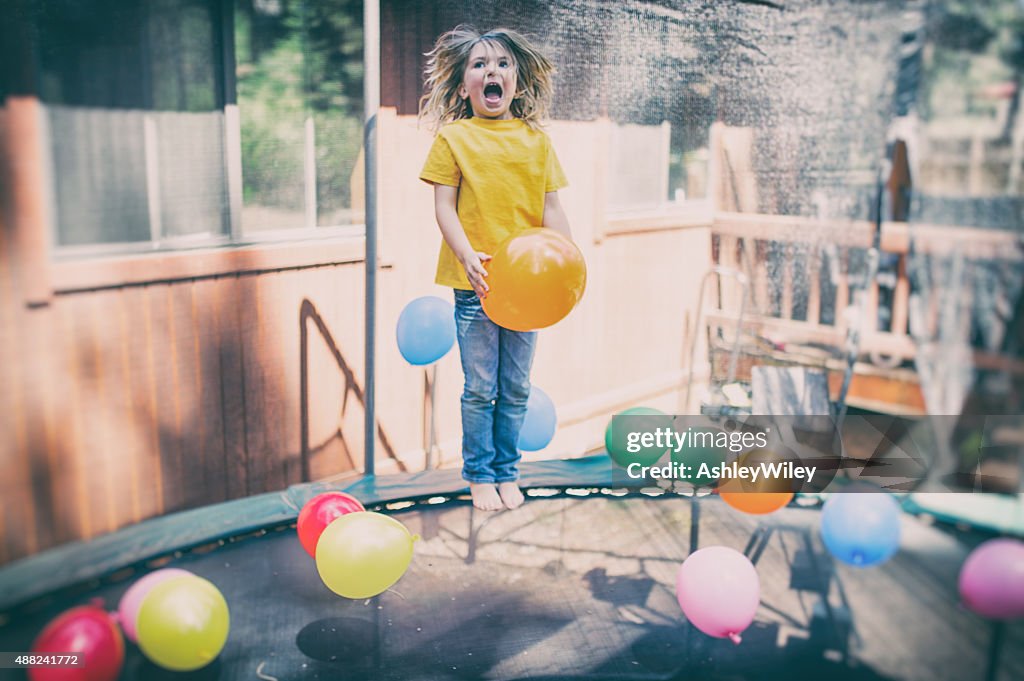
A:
{"points": [[973, 44], [299, 59]]}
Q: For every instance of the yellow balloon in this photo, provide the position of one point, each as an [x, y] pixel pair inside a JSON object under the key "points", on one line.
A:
{"points": [[362, 554], [183, 623], [535, 278]]}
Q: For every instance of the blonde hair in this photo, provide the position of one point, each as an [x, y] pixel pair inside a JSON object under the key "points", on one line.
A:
{"points": [[446, 67]]}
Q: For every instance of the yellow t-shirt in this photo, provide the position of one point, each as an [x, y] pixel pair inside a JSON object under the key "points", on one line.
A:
{"points": [[502, 168]]}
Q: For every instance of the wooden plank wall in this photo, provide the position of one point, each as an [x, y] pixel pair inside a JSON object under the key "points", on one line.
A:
{"points": [[133, 402], [413, 26]]}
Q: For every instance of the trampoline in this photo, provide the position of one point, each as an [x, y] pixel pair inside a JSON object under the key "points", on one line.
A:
{"points": [[578, 583]]}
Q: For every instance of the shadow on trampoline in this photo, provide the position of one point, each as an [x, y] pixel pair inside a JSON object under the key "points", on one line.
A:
{"points": [[618, 590], [675, 654], [359, 646], [138, 667]]}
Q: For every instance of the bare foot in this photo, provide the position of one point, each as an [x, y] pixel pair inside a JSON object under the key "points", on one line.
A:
{"points": [[511, 495], [485, 496]]}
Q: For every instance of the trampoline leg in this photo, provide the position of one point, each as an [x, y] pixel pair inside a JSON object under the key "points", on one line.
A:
{"points": [[431, 380], [378, 632], [840, 632], [694, 523], [471, 539], [994, 649], [758, 543]]}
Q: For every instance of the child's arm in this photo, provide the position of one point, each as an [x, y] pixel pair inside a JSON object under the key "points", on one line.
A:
{"points": [[554, 216], [455, 236]]}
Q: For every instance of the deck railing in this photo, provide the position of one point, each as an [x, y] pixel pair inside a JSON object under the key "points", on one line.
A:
{"points": [[803, 274]]}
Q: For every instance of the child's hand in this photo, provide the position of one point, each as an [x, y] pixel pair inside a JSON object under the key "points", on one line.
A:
{"points": [[473, 262]]}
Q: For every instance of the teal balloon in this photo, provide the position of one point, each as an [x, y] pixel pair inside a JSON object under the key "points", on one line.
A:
{"points": [[540, 423], [641, 419], [861, 528], [426, 330]]}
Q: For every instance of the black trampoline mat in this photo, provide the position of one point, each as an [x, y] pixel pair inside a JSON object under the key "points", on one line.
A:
{"points": [[581, 588]]}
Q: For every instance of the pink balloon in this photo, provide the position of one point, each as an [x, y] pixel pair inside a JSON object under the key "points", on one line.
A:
{"points": [[131, 601], [719, 591], [992, 579]]}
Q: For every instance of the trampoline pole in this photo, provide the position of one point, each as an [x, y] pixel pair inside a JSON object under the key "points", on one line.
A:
{"points": [[994, 649], [694, 523], [371, 96], [432, 442]]}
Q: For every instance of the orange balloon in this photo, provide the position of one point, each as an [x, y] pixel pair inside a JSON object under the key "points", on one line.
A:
{"points": [[756, 503], [536, 277], [767, 495]]}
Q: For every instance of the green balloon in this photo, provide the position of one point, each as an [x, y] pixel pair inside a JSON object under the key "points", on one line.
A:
{"points": [[362, 554], [699, 448], [642, 419], [183, 623]]}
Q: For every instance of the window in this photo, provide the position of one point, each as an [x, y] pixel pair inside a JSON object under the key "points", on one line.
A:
{"points": [[134, 95], [658, 167], [300, 99], [149, 150]]}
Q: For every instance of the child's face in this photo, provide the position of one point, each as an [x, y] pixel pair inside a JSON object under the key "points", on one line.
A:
{"points": [[489, 81]]}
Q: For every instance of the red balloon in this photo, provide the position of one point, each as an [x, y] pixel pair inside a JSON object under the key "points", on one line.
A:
{"points": [[88, 630], [319, 512]]}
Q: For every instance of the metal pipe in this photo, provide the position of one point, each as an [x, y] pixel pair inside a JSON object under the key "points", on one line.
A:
{"points": [[432, 443], [371, 97], [744, 282], [860, 295]]}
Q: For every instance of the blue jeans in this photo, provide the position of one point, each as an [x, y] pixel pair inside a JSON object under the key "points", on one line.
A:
{"points": [[496, 364]]}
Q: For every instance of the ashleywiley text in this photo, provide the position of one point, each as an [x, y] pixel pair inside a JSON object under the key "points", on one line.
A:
{"points": [[776, 470]]}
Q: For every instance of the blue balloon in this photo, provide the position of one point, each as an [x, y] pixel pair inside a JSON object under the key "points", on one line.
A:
{"points": [[540, 423], [861, 528], [426, 330]]}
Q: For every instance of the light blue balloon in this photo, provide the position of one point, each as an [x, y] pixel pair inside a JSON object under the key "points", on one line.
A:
{"points": [[541, 421], [426, 330], [861, 528]]}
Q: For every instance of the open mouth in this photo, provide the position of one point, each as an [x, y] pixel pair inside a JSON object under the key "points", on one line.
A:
{"points": [[492, 93]]}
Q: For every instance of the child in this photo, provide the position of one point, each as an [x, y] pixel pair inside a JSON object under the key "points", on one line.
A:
{"points": [[494, 174]]}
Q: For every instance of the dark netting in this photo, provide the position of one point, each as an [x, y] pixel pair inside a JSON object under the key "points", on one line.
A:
{"points": [[878, 111], [815, 80], [819, 82]]}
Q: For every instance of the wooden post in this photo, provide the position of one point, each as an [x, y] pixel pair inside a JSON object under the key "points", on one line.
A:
{"points": [[813, 285], [602, 140], [30, 203], [901, 299]]}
